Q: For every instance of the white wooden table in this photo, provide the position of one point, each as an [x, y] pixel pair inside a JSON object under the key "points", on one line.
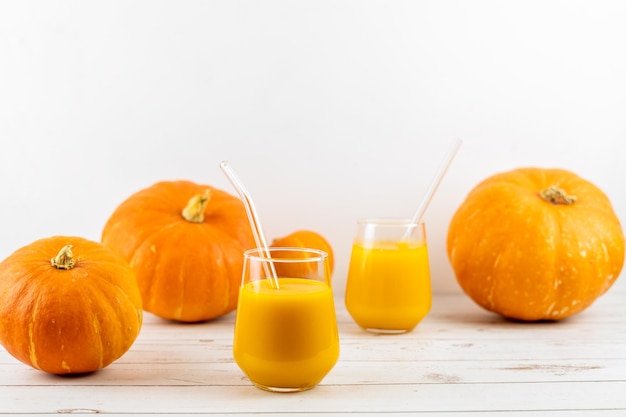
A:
{"points": [[460, 361]]}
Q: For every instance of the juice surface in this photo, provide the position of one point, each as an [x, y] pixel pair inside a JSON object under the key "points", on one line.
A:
{"points": [[286, 337], [388, 285]]}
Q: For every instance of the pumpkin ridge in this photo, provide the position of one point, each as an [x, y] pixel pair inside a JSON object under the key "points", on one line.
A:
{"points": [[178, 310], [217, 251], [491, 282], [148, 253], [99, 327], [226, 302], [32, 346], [70, 287], [151, 296], [556, 270], [597, 225]]}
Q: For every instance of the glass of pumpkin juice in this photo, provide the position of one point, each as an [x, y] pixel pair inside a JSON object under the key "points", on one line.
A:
{"points": [[286, 336], [388, 285]]}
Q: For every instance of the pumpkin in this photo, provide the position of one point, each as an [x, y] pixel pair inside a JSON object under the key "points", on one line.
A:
{"points": [[68, 305], [306, 239], [535, 244], [185, 243]]}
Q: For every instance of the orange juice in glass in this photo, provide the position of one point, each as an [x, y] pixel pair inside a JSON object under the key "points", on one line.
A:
{"points": [[388, 286], [286, 336]]}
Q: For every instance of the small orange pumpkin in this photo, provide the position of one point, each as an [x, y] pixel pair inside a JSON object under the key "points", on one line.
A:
{"points": [[68, 305], [535, 244], [185, 242], [307, 239]]}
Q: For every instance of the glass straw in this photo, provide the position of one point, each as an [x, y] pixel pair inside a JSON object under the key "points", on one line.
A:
{"points": [[445, 164], [257, 230]]}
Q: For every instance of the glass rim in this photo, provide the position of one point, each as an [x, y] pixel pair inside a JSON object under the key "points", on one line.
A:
{"points": [[257, 254], [390, 221]]}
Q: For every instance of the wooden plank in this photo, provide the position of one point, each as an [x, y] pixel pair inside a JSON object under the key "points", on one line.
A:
{"points": [[397, 398], [345, 373], [461, 326], [382, 350]]}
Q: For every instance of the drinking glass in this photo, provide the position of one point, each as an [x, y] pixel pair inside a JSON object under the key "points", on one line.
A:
{"points": [[286, 336], [388, 286]]}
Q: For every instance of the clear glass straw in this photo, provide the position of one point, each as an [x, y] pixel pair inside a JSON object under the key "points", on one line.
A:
{"points": [[441, 172], [257, 230]]}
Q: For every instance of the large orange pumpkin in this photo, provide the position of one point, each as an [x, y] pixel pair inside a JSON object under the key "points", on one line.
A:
{"points": [[68, 305], [535, 244], [185, 242]]}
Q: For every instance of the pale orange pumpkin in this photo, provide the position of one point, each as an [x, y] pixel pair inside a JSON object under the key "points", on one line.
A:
{"points": [[185, 242], [306, 239], [535, 244], [68, 305]]}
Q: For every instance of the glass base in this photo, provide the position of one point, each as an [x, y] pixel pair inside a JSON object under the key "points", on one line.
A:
{"points": [[386, 331], [283, 389]]}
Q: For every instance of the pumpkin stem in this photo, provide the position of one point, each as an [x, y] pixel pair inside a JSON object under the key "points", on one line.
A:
{"points": [[194, 212], [64, 259], [557, 196]]}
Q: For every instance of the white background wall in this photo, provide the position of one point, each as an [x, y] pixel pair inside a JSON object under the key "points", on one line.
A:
{"points": [[328, 110]]}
